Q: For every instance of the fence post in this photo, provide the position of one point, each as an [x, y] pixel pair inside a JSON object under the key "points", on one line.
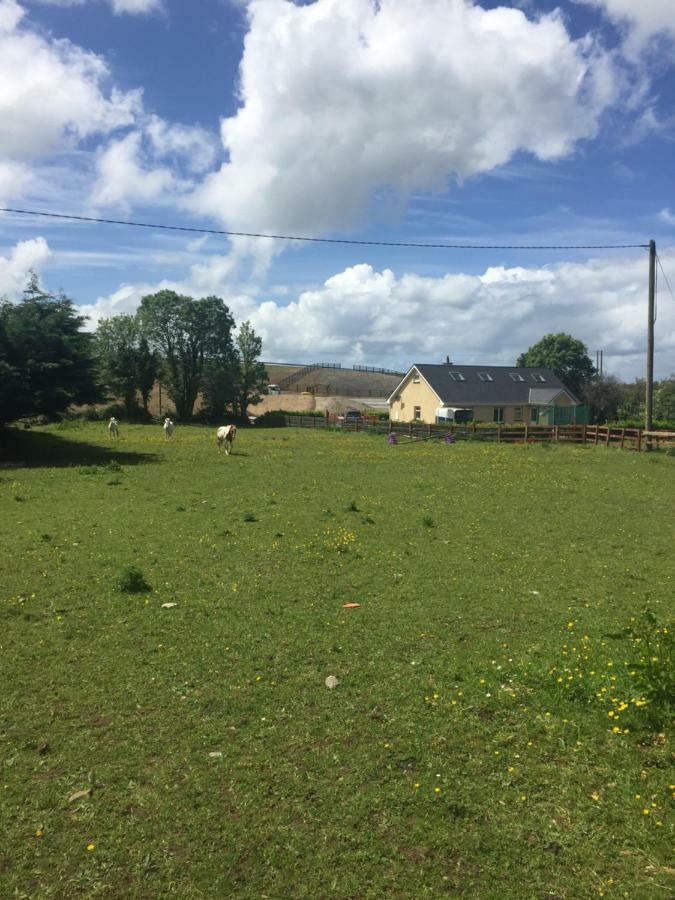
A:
{"points": [[639, 440], [410, 433], [527, 432], [609, 431], [429, 432], [499, 434], [556, 433], [623, 437]]}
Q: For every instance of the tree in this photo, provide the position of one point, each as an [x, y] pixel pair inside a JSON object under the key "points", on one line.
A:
{"points": [[251, 375], [218, 390], [603, 395], [147, 370], [46, 360], [565, 356], [632, 404], [664, 401], [117, 350], [187, 334]]}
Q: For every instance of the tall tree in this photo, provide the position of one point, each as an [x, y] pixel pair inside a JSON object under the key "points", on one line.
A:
{"points": [[147, 369], [603, 395], [44, 354], [117, 352], [565, 356], [251, 375], [187, 334]]}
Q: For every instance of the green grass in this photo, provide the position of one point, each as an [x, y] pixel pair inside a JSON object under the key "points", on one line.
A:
{"points": [[456, 757]]}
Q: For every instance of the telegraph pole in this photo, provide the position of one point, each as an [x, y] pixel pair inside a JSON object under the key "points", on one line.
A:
{"points": [[649, 398]]}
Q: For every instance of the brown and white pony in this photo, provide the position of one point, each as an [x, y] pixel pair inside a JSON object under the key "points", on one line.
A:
{"points": [[225, 437]]}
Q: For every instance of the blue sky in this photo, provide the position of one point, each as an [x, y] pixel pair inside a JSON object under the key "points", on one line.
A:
{"points": [[404, 120]]}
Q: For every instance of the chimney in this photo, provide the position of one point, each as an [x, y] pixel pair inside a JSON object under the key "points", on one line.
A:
{"points": [[448, 361]]}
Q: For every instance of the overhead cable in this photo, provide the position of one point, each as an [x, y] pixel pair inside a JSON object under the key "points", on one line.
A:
{"points": [[321, 240]]}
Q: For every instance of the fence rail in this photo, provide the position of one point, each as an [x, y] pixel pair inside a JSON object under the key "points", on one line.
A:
{"points": [[597, 435]]}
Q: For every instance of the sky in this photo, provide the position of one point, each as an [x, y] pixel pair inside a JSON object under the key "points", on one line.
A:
{"points": [[401, 121]]}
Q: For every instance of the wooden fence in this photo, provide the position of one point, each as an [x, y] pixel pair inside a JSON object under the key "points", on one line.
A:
{"points": [[598, 435]]}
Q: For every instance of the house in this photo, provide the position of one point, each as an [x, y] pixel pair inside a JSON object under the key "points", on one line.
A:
{"points": [[505, 394]]}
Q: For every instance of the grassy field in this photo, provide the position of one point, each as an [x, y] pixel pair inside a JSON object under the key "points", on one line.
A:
{"points": [[489, 736]]}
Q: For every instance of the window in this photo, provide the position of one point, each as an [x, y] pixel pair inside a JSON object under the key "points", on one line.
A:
{"points": [[417, 412], [518, 413], [534, 414], [416, 378], [516, 376], [498, 415], [538, 377], [485, 376], [457, 376]]}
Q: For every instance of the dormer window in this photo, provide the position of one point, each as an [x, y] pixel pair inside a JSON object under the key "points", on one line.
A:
{"points": [[516, 376], [538, 377], [485, 376], [457, 376]]}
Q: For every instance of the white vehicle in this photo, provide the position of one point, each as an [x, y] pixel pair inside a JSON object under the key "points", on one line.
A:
{"points": [[273, 389]]}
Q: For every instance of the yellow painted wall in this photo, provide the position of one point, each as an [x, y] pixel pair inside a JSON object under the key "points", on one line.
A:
{"points": [[413, 395]]}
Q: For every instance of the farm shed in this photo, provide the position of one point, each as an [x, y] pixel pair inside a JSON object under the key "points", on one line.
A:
{"points": [[505, 394]]}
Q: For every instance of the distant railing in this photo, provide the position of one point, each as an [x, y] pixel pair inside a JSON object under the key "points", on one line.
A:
{"points": [[597, 435], [376, 369]]}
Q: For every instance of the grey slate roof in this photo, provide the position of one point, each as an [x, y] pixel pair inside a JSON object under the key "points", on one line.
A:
{"points": [[501, 391]]}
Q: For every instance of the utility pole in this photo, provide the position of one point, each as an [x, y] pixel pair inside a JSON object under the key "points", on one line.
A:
{"points": [[649, 397]]}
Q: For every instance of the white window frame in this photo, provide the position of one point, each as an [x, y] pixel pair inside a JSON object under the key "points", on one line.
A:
{"points": [[516, 376], [538, 377], [518, 413], [484, 376], [417, 410], [534, 415], [498, 415], [457, 376]]}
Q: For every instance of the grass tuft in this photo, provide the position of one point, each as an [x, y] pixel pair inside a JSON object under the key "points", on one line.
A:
{"points": [[132, 581]]}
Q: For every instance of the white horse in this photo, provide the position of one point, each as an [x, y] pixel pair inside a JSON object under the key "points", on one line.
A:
{"points": [[225, 437], [169, 428], [113, 427]]}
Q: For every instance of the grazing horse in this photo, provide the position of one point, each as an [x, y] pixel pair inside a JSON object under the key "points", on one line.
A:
{"points": [[168, 428], [225, 437], [113, 427]]}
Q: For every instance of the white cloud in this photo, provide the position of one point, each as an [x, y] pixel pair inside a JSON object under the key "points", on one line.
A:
{"points": [[667, 217], [135, 7], [646, 18], [193, 145], [123, 178], [340, 97], [53, 93], [10, 15], [128, 169], [377, 318], [14, 179], [26, 256]]}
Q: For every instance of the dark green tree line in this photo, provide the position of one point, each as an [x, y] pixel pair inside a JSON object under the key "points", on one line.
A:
{"points": [[46, 360]]}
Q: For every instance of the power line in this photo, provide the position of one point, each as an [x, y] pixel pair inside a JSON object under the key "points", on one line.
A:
{"points": [[319, 240]]}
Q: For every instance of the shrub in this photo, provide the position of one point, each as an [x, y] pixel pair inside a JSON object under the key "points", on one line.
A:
{"points": [[114, 409], [132, 581]]}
